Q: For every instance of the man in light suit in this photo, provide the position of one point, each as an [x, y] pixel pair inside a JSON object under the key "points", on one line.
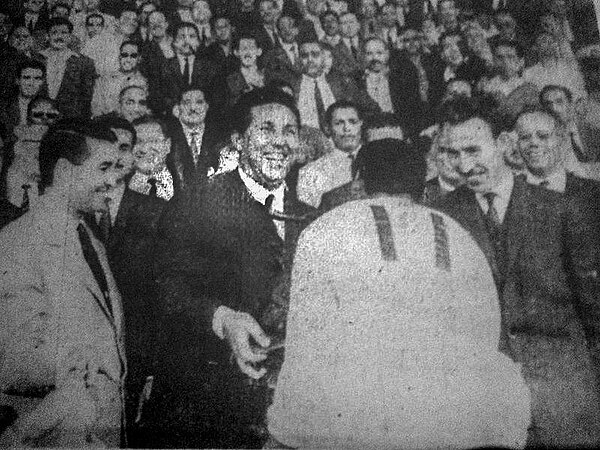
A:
{"points": [[544, 253], [62, 364]]}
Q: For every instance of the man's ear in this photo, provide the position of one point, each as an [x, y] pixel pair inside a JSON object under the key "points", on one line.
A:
{"points": [[259, 52], [237, 141], [176, 111]]}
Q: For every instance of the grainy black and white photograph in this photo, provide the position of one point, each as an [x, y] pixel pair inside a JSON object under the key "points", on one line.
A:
{"points": [[287, 224]]}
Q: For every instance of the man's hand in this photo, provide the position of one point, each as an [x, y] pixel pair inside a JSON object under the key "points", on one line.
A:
{"points": [[238, 327]]}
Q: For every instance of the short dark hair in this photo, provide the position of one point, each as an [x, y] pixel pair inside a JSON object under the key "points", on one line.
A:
{"points": [[340, 104], [242, 111], [392, 166], [130, 42], [217, 16], [89, 16], [186, 89], [555, 87], [112, 121], [127, 8], [60, 5], [66, 139], [181, 25], [462, 109], [60, 21], [30, 64], [519, 50], [245, 35], [152, 120], [385, 119]]}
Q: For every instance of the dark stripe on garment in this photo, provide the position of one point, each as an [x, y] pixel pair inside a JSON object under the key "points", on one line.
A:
{"points": [[384, 230], [442, 250]]}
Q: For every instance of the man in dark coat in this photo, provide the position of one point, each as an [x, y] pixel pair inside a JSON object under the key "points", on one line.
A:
{"points": [[222, 265]]}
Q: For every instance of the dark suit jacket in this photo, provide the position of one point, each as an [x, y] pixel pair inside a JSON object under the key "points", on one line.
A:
{"points": [[10, 115], [345, 62], [262, 38], [354, 190], [74, 96], [549, 282], [278, 66], [215, 52]]}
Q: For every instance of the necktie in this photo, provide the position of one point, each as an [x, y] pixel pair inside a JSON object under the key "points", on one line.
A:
{"points": [[105, 225], [194, 146], [186, 70], [492, 213], [93, 261], [25, 201], [354, 167], [579, 153], [354, 50], [319, 102], [153, 187]]}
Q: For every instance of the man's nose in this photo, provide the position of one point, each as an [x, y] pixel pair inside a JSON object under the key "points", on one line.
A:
{"points": [[465, 164]]}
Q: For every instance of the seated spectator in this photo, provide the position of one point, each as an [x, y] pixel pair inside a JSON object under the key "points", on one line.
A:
{"points": [[509, 62], [331, 28], [89, 7], [201, 16], [552, 25], [283, 62], [133, 103], [145, 8], [221, 50], [477, 43], [347, 54], [60, 9], [108, 86], [249, 76], [459, 64], [94, 25], [314, 13], [22, 41]]}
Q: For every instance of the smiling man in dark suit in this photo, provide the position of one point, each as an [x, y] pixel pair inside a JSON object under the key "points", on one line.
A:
{"points": [[223, 255], [544, 253]]}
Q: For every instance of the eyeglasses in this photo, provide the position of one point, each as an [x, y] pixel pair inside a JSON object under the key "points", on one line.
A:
{"points": [[129, 55], [44, 114]]}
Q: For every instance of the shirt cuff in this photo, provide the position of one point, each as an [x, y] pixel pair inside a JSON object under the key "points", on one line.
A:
{"points": [[218, 318]]}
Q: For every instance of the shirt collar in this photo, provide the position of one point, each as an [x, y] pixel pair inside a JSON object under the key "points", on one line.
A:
{"points": [[259, 192], [557, 181], [188, 131]]}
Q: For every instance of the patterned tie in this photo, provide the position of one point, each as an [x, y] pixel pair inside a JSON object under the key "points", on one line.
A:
{"points": [[319, 102], [153, 188], [25, 201], [186, 71], [194, 146]]}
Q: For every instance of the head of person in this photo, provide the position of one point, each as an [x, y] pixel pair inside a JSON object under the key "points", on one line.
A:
{"points": [[468, 135], [5, 25], [448, 13], [452, 51], [144, 11], [82, 161], [126, 139], [128, 21], [330, 23], [476, 38], [509, 58], [368, 10], [316, 7], [505, 24], [21, 39], [94, 24], [60, 10], [31, 76], [265, 132], [152, 145], [247, 5], [550, 24], [376, 55], [33, 6], [133, 103], [185, 4], [386, 14], [558, 101], [247, 50], [392, 167], [59, 33], [157, 24], [457, 87], [185, 39], [191, 107], [90, 5], [201, 12], [311, 58], [344, 124], [42, 110], [413, 42], [287, 29], [269, 12], [547, 47], [129, 56], [222, 29], [539, 142], [349, 25]]}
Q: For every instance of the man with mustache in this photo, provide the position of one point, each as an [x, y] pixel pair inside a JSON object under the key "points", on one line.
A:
{"points": [[223, 258], [544, 252]]}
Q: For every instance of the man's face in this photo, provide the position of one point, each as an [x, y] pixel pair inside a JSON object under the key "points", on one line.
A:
{"points": [[30, 82], [128, 22], [538, 143], [388, 15], [446, 171], [186, 42], [21, 40], [346, 129], [96, 178], [157, 23], [376, 55], [61, 11], [192, 109], [448, 12], [472, 152], [316, 7], [43, 113], [288, 31], [201, 12], [506, 25], [268, 145], [349, 25], [133, 104], [125, 144], [222, 30], [330, 25], [247, 52], [94, 26], [59, 36], [311, 59], [413, 42], [268, 12], [129, 58], [34, 6], [146, 10], [558, 104], [508, 63], [451, 53], [151, 149]]}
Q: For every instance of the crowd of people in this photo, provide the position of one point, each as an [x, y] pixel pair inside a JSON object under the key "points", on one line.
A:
{"points": [[299, 223]]}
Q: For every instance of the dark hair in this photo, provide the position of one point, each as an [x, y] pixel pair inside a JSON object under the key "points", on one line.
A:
{"points": [[113, 121], [66, 139], [186, 89], [129, 42], [340, 104], [555, 87], [392, 166], [30, 64], [89, 16], [245, 35], [461, 109], [127, 8], [60, 5], [59, 21], [329, 12], [181, 25], [152, 120], [520, 51], [383, 5], [219, 15], [38, 99], [242, 111]]}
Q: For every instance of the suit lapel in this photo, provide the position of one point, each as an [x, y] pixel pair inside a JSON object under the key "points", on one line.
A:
{"points": [[517, 221], [175, 71]]}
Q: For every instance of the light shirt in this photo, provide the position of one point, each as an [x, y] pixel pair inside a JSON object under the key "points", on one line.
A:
{"points": [[190, 59], [253, 76], [23, 104], [260, 194], [449, 73], [317, 25], [378, 87], [506, 87], [56, 63], [204, 32], [351, 43], [557, 181], [444, 185], [272, 35], [199, 133], [331, 40], [503, 192], [306, 99], [390, 35], [291, 51], [164, 183], [31, 19]]}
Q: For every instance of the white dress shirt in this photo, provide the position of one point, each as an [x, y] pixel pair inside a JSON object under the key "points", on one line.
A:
{"points": [[503, 192], [199, 134], [164, 183], [182, 59], [291, 51], [56, 63], [306, 99], [557, 181]]}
